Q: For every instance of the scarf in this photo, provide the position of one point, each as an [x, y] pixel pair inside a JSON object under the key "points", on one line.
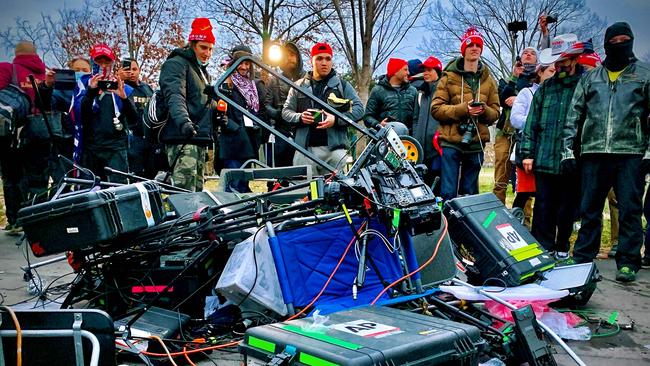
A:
{"points": [[248, 89]]}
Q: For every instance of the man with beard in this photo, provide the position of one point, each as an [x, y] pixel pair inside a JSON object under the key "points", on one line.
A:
{"points": [[608, 125], [292, 69]]}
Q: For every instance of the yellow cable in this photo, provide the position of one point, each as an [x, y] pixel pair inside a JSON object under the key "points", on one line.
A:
{"points": [[165, 348]]}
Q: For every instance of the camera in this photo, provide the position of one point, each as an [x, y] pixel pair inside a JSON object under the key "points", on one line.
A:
{"points": [[107, 84], [550, 19], [467, 129], [64, 79], [517, 26]]}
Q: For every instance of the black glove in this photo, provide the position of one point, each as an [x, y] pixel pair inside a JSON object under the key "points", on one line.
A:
{"points": [[569, 166], [188, 130], [645, 166]]}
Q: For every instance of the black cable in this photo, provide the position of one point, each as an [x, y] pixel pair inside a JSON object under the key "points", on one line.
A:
{"points": [[256, 269], [499, 280]]}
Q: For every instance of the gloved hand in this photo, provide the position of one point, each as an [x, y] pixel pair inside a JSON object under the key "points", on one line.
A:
{"points": [[569, 166], [188, 130], [645, 166]]}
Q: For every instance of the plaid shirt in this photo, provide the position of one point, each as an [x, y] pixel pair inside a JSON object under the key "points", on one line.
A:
{"points": [[542, 138]]}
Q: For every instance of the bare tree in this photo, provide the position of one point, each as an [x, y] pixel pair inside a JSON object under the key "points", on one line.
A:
{"points": [[369, 31], [249, 22], [449, 20]]}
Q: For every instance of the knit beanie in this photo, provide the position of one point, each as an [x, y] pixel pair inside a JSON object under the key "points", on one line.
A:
{"points": [[394, 65], [201, 31], [415, 66], [472, 35]]}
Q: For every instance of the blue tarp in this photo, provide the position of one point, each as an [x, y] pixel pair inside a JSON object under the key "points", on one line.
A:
{"points": [[310, 254]]}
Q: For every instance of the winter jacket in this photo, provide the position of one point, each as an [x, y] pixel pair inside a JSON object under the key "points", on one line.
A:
{"points": [[25, 65], [609, 117], [59, 101], [387, 101], [510, 89], [277, 95], [182, 81], [521, 106], [296, 103], [425, 126], [542, 138], [97, 115], [456, 88], [236, 141], [140, 96]]}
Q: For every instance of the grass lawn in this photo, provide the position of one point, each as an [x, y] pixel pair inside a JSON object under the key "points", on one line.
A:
{"points": [[486, 183]]}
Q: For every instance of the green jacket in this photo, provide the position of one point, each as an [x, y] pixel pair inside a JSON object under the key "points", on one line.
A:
{"points": [[385, 101], [542, 137], [609, 117]]}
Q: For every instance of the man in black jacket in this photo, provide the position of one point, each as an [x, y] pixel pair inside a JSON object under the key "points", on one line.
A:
{"points": [[292, 69], [188, 131]]}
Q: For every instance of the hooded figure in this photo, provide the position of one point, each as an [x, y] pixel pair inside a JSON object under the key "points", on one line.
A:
{"points": [[292, 68]]}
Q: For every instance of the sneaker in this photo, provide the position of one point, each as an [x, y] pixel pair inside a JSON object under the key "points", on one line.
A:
{"points": [[645, 263], [612, 252], [15, 231], [626, 274]]}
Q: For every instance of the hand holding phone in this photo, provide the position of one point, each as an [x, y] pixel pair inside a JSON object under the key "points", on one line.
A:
{"points": [[316, 114]]}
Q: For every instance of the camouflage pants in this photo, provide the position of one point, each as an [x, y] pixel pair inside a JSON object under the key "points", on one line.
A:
{"points": [[188, 171]]}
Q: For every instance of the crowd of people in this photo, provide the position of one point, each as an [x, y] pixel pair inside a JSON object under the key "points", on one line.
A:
{"points": [[570, 130]]}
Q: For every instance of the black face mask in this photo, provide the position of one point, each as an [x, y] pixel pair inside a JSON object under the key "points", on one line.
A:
{"points": [[619, 55]]}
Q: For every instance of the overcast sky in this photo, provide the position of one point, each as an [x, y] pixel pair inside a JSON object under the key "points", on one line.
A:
{"points": [[635, 12]]}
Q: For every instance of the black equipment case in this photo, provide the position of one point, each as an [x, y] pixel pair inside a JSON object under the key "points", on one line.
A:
{"points": [[365, 336], [493, 241], [94, 217]]}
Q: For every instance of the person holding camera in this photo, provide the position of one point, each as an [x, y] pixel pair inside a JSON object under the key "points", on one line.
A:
{"points": [[183, 80], [607, 129], [522, 72], [320, 132], [466, 102], [393, 100], [557, 191], [292, 69], [142, 160], [240, 137], [106, 113]]}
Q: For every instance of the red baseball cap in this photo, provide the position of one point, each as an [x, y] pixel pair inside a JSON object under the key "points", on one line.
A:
{"points": [[321, 47], [432, 63], [102, 50]]}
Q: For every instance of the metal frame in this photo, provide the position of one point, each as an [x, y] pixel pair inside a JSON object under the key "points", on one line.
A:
{"points": [[324, 105]]}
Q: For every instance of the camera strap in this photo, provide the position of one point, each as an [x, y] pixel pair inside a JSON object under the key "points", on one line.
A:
{"points": [[116, 110]]}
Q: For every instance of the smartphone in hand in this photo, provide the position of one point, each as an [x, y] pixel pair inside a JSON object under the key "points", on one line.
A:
{"points": [[317, 114]]}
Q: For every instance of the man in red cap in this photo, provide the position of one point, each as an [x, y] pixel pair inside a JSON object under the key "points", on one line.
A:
{"points": [[105, 116], [188, 130], [393, 100], [466, 102], [425, 126], [320, 132]]}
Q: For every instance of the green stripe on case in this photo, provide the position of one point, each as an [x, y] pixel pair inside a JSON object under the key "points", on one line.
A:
{"points": [[261, 344], [310, 360], [489, 219]]}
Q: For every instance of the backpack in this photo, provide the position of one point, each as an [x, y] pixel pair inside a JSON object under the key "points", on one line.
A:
{"points": [[155, 117], [15, 105]]}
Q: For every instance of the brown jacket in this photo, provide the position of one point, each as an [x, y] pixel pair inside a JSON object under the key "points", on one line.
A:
{"points": [[449, 105]]}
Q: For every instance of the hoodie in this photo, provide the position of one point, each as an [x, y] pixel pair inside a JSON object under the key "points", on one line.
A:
{"points": [[278, 91], [25, 65]]}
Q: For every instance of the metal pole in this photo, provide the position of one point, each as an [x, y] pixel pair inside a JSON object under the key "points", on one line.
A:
{"points": [[94, 356]]}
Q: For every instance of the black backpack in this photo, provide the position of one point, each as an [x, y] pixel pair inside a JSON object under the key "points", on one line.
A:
{"points": [[155, 117], [15, 106]]}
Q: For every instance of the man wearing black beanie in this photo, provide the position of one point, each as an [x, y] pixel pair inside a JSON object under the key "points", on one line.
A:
{"points": [[607, 126]]}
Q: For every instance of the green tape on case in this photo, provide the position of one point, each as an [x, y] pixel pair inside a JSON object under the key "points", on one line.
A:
{"points": [[489, 219], [396, 213], [321, 337], [261, 344], [310, 360]]}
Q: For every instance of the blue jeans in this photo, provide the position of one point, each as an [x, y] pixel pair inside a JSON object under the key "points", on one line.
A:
{"points": [[235, 185], [601, 172], [459, 172]]}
